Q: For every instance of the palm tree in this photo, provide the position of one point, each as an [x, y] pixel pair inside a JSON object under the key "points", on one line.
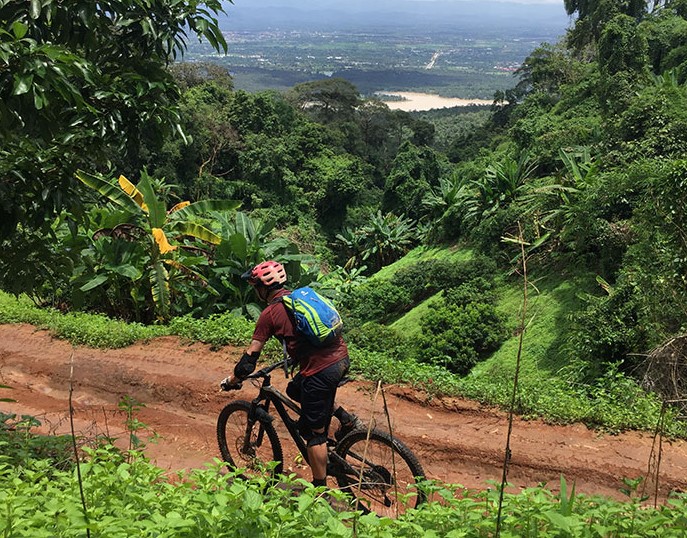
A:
{"points": [[502, 184], [444, 203]]}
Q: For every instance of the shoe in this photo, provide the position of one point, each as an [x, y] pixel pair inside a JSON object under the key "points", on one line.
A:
{"points": [[354, 424]]}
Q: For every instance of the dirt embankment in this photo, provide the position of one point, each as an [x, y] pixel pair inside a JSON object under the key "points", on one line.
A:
{"points": [[457, 441]]}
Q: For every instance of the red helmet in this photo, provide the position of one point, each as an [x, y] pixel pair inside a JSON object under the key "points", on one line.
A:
{"points": [[270, 274]]}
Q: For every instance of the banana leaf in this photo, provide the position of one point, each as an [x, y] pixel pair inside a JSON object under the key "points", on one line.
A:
{"points": [[204, 206], [159, 283], [110, 190], [195, 230], [94, 282], [132, 191], [157, 212], [162, 243]]}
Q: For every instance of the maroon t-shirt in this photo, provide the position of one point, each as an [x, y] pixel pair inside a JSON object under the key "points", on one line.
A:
{"points": [[275, 321]]}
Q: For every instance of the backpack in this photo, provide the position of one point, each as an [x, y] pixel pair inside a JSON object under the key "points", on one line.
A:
{"points": [[315, 316]]}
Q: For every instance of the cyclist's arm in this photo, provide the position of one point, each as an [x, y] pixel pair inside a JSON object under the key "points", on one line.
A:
{"points": [[246, 364], [255, 347]]}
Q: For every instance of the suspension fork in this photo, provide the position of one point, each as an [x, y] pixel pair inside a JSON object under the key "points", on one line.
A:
{"points": [[257, 413]]}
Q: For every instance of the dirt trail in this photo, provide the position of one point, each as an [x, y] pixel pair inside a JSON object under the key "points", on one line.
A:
{"points": [[457, 441]]}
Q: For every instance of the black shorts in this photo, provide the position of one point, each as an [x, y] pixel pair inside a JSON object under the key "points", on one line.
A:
{"points": [[316, 395]]}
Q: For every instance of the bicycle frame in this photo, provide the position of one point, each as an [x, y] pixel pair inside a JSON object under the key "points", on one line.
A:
{"points": [[260, 409], [348, 460], [268, 394]]}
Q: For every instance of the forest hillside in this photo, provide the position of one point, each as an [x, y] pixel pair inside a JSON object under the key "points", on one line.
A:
{"points": [[142, 189]]}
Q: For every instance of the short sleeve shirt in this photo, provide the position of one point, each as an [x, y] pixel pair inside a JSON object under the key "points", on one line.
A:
{"points": [[276, 321]]}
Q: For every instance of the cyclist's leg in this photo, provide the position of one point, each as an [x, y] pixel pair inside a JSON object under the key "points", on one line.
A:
{"points": [[339, 412], [294, 389], [348, 421], [317, 401]]}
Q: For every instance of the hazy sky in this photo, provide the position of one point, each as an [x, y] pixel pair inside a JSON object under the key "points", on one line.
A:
{"points": [[559, 2]]}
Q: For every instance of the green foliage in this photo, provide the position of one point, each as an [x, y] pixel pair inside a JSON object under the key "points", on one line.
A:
{"points": [[328, 100], [82, 81], [610, 327], [546, 69], [246, 241], [377, 338], [464, 330], [653, 122], [330, 184], [377, 301], [383, 240], [602, 115], [415, 170], [148, 221], [427, 277], [19, 446], [79, 328], [217, 330], [435, 380], [502, 183], [455, 331], [133, 498]]}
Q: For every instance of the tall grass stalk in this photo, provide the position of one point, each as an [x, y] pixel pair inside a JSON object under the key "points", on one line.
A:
{"points": [[511, 410]]}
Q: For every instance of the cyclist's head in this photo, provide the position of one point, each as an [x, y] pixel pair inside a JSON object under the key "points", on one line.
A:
{"points": [[265, 277]]}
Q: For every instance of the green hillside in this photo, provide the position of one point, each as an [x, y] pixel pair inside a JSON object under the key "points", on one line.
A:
{"points": [[136, 188], [553, 382]]}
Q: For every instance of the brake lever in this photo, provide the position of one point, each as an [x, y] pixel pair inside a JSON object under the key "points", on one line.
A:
{"points": [[229, 383]]}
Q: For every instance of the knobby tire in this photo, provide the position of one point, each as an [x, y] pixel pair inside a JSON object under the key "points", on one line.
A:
{"points": [[231, 430], [391, 473]]}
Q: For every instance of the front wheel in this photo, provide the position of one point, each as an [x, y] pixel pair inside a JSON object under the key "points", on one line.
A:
{"points": [[248, 444], [381, 472]]}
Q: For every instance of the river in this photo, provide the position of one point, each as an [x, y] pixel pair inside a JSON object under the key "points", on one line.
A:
{"points": [[416, 101]]}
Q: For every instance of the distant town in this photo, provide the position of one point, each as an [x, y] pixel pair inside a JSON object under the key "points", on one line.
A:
{"points": [[454, 66]]}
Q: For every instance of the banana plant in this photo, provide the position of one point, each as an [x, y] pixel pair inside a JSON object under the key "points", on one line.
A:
{"points": [[162, 230], [247, 241]]}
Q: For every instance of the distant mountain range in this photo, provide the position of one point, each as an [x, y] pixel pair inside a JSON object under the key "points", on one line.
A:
{"points": [[476, 17]]}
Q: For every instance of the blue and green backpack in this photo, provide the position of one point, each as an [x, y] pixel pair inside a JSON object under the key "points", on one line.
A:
{"points": [[315, 316]]}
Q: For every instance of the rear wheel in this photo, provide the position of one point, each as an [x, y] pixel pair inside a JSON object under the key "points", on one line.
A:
{"points": [[382, 473], [254, 453]]}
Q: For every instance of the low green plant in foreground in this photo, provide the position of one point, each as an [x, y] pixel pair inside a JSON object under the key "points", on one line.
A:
{"points": [[19, 444], [134, 498]]}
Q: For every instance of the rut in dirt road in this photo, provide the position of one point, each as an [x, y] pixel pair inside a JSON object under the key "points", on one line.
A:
{"points": [[457, 441]]}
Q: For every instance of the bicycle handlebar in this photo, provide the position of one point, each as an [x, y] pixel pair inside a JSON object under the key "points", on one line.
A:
{"points": [[232, 383]]}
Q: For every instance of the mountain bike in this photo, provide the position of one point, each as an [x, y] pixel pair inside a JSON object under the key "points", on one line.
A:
{"points": [[381, 474]]}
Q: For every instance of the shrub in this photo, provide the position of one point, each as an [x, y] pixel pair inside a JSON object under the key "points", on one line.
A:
{"points": [[217, 330], [458, 336], [19, 445], [609, 328], [379, 301], [373, 336], [427, 277]]}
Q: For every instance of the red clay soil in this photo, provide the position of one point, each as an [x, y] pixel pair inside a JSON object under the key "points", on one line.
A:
{"points": [[457, 441]]}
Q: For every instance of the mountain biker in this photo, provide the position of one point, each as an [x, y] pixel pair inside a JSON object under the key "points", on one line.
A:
{"points": [[321, 369]]}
